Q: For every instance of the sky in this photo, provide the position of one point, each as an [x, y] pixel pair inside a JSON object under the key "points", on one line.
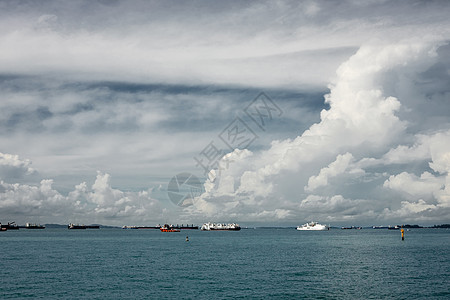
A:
{"points": [[257, 112]]}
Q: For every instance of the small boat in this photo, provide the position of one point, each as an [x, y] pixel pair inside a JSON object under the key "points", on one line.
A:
{"points": [[313, 226], [168, 228]]}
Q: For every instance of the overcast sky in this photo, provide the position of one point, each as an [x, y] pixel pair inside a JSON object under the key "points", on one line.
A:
{"points": [[333, 111]]}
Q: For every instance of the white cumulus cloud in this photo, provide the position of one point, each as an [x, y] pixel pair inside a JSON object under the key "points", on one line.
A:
{"points": [[363, 123], [11, 166]]}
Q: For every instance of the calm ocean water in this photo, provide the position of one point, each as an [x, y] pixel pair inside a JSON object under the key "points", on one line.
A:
{"points": [[253, 263]]}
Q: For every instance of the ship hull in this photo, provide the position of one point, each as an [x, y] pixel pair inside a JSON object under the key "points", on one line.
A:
{"points": [[312, 229], [169, 230], [9, 227], [76, 227]]}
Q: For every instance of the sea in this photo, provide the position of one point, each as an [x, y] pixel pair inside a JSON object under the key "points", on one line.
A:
{"points": [[259, 263]]}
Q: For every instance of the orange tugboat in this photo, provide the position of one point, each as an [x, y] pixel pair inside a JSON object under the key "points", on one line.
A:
{"points": [[167, 228]]}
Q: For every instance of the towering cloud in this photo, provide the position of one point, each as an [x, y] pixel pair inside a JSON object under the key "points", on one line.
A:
{"points": [[358, 140]]}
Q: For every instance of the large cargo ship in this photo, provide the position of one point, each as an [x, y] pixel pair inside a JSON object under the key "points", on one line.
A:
{"points": [[187, 226], [182, 226], [219, 226], [78, 226], [396, 227], [34, 226], [141, 227], [9, 226]]}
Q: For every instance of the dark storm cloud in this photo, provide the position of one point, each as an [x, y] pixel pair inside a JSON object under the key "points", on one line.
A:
{"points": [[187, 107], [264, 44]]}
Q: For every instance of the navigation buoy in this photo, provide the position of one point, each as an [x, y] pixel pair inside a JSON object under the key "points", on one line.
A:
{"points": [[187, 239], [403, 234]]}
